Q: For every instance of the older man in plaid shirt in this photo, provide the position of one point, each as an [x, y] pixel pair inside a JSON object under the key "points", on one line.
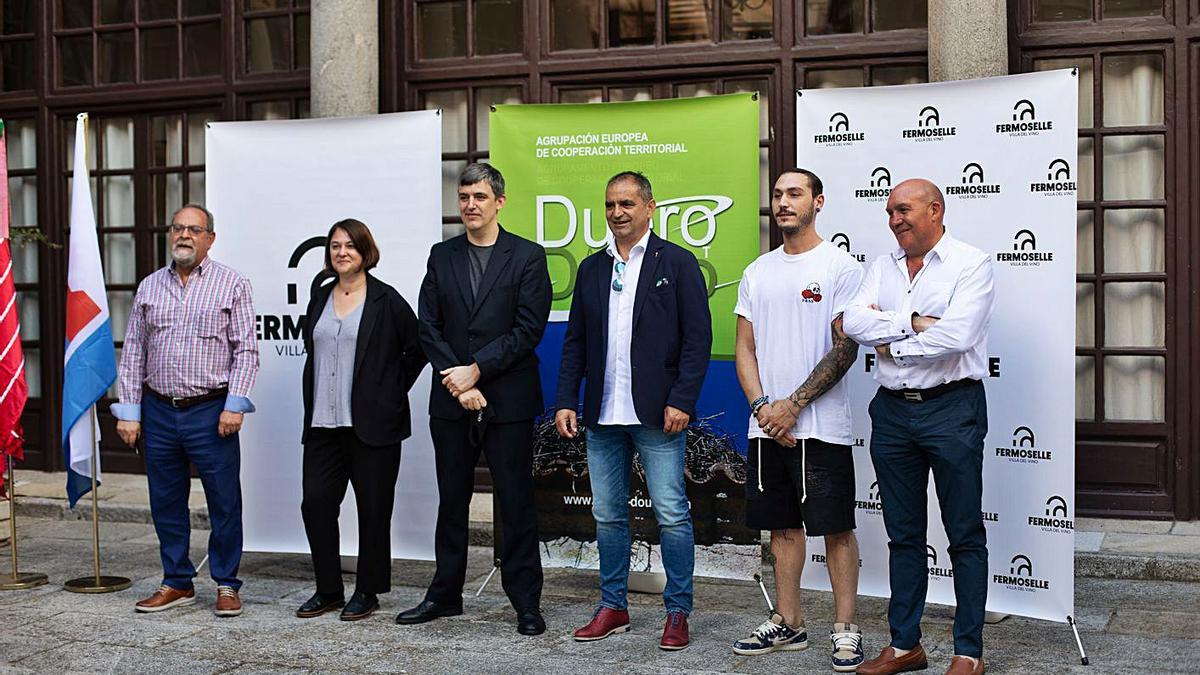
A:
{"points": [[187, 366]]}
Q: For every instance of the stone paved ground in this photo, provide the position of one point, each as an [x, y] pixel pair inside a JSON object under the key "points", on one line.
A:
{"points": [[1127, 626]]}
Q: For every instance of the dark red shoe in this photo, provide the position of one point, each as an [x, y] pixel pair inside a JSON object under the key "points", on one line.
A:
{"points": [[604, 622], [675, 633]]}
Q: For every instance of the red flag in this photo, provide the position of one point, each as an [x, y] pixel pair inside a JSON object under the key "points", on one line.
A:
{"points": [[13, 390]]}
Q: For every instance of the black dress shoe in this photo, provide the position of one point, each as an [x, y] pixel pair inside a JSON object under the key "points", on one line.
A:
{"points": [[530, 621], [428, 610], [361, 606], [319, 604]]}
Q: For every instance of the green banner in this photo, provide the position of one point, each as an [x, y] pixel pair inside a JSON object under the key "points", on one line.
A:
{"points": [[701, 155]]}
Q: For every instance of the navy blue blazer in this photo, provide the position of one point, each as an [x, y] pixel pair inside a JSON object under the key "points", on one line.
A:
{"points": [[671, 342]]}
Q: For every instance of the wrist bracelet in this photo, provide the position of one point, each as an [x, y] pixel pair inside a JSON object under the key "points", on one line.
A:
{"points": [[758, 403]]}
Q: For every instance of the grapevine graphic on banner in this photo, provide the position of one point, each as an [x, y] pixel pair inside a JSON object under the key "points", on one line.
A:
{"points": [[702, 157], [274, 189], [1003, 151]]}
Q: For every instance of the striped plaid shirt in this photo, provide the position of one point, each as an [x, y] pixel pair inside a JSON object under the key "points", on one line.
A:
{"points": [[187, 340]]}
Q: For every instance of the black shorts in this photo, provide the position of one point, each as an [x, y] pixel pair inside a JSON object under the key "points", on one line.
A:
{"points": [[828, 472]]}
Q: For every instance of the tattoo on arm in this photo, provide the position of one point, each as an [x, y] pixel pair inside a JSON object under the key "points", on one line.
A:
{"points": [[829, 370]]}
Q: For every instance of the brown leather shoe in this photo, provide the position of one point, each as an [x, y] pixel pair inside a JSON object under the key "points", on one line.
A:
{"points": [[675, 633], [604, 622], [887, 662], [228, 602], [962, 665], [166, 598]]}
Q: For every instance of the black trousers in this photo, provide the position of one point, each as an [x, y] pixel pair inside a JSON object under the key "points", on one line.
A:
{"points": [[509, 452], [333, 458]]}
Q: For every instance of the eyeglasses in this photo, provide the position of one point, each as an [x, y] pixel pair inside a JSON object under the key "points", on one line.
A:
{"points": [[194, 230], [618, 284]]}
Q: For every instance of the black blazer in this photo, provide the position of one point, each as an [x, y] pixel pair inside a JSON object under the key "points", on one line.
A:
{"points": [[498, 330], [671, 342], [387, 361]]}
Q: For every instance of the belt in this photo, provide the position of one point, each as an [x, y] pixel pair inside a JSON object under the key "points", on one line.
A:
{"points": [[920, 395], [181, 402]]}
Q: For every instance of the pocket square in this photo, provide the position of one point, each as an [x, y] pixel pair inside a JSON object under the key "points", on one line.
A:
{"points": [[662, 282]]}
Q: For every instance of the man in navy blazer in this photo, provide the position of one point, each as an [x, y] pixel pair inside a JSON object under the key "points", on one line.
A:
{"points": [[643, 291]]}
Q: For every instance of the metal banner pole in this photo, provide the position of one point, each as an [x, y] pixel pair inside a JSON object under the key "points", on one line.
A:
{"points": [[16, 580], [96, 583]]}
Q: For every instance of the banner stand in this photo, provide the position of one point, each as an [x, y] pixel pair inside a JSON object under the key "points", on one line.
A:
{"points": [[96, 583], [1083, 659]]}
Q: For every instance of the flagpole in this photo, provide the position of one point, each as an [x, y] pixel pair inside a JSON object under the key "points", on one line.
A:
{"points": [[96, 583], [15, 580]]}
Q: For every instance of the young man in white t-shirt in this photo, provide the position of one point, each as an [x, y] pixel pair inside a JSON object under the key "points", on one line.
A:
{"points": [[791, 358]]}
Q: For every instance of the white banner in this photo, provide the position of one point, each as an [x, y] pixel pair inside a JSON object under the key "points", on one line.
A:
{"points": [[1003, 150], [275, 188]]}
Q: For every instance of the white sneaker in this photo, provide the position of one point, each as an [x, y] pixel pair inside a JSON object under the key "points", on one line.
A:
{"points": [[847, 647]]}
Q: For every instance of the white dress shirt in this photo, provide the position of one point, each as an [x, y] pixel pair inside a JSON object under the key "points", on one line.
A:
{"points": [[954, 285], [616, 406]]}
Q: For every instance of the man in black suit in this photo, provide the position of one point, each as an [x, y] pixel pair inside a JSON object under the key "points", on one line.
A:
{"points": [[483, 308], [647, 292]]}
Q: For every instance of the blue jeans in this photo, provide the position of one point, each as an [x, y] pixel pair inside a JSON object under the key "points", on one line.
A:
{"points": [[610, 459], [908, 440], [172, 439]]}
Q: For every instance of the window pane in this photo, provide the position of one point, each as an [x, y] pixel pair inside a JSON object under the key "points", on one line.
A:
{"points": [[119, 260], [827, 17], [1134, 388], [748, 20], [196, 187], [1085, 242], [118, 143], [1085, 388], [118, 201], [266, 4], [688, 20], [168, 196], [30, 317], [161, 256], [1062, 10], [630, 22], [119, 304], [1133, 167], [897, 14], [498, 27], [20, 136], [485, 98], [764, 108], [1085, 315], [581, 96], [269, 45], [33, 371], [16, 65], [1134, 314], [25, 262], [116, 11], [22, 201], [453, 103], [450, 172], [116, 57], [575, 24], [630, 94], [1087, 170], [443, 27], [270, 110], [153, 10], [302, 41], [1133, 90], [1114, 9], [889, 75], [1134, 240], [75, 60], [827, 79], [16, 17], [202, 49], [694, 89], [166, 140], [197, 122], [160, 54], [202, 7], [1084, 64], [75, 13], [764, 177]]}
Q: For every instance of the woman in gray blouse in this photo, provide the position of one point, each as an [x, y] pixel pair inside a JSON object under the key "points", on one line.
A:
{"points": [[363, 355]]}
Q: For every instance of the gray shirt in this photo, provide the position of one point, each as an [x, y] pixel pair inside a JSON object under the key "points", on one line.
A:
{"points": [[334, 342], [478, 257]]}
